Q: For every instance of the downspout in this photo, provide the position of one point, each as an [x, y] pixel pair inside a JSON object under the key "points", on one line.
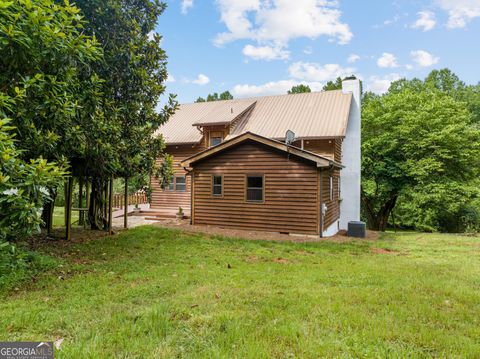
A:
{"points": [[190, 173], [320, 204]]}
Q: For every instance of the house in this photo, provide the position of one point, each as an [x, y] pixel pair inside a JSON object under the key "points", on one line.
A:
{"points": [[234, 168]]}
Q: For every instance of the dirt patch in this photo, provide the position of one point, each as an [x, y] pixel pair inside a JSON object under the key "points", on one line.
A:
{"points": [[252, 259], [258, 235], [384, 251], [281, 260]]}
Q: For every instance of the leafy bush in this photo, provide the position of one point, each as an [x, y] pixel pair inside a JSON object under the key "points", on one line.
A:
{"points": [[23, 188]]}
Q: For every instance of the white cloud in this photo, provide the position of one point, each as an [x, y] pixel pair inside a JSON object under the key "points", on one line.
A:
{"points": [[267, 53], [423, 58], [276, 22], [460, 12], [387, 22], [201, 80], [387, 60], [353, 58], [381, 84], [309, 71], [186, 5], [308, 50], [426, 21], [312, 74], [170, 78], [271, 88]]}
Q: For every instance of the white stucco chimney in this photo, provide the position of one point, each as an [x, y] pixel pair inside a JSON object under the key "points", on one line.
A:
{"points": [[351, 157]]}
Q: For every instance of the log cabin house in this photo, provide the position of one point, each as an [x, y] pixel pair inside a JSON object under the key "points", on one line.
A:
{"points": [[233, 167]]}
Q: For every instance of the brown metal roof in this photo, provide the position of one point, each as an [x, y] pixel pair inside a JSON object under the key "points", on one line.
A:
{"points": [[224, 112], [309, 115]]}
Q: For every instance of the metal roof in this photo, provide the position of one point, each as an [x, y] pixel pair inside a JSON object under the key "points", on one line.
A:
{"points": [[224, 112], [309, 115]]}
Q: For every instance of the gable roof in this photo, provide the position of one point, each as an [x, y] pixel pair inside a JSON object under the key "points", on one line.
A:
{"points": [[309, 115], [320, 161], [224, 112]]}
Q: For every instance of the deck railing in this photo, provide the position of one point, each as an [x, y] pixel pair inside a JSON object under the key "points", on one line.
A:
{"points": [[136, 198]]}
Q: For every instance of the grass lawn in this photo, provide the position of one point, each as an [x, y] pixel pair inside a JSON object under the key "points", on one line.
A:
{"points": [[154, 293], [59, 217]]}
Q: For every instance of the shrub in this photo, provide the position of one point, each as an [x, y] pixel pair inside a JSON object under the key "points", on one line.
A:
{"points": [[23, 188]]}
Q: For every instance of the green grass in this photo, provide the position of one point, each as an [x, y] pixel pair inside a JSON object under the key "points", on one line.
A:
{"points": [[59, 217], [154, 293]]}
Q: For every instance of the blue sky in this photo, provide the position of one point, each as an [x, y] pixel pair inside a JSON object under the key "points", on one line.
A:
{"points": [[263, 47]]}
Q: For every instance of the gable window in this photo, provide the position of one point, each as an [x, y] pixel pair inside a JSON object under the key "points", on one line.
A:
{"points": [[217, 185], [180, 184], [215, 138], [214, 141], [255, 186]]}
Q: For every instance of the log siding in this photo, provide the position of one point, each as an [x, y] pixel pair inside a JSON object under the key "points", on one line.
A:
{"points": [[290, 191], [293, 188]]}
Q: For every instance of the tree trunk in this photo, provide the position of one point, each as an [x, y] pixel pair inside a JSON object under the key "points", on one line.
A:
{"points": [[47, 212], [96, 205], [378, 220], [81, 214], [125, 207], [110, 206], [68, 209]]}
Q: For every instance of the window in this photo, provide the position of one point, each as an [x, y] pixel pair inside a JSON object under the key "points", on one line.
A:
{"points": [[215, 138], [170, 184], [180, 184], [254, 189], [331, 188], [217, 184], [215, 141]]}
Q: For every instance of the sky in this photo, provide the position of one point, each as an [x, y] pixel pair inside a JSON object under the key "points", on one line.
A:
{"points": [[264, 47]]}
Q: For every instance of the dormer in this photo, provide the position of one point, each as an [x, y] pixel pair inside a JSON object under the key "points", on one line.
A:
{"points": [[215, 125]]}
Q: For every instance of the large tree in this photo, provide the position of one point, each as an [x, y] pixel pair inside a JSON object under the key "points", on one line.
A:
{"points": [[133, 71], [47, 86], [418, 142]]}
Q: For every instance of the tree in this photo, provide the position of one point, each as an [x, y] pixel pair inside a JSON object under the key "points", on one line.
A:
{"points": [[299, 89], [418, 143], [44, 57], [226, 95], [133, 71], [333, 85], [47, 86]]}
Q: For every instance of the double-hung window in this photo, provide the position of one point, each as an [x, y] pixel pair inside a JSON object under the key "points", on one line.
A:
{"points": [[180, 184], [217, 185], [215, 138], [214, 141], [255, 188]]}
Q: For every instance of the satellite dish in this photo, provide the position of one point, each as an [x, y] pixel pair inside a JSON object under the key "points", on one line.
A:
{"points": [[289, 137]]}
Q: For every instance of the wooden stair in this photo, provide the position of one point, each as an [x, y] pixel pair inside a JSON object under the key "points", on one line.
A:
{"points": [[164, 213]]}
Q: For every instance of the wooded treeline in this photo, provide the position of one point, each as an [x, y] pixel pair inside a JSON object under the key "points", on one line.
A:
{"points": [[421, 155], [79, 91]]}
